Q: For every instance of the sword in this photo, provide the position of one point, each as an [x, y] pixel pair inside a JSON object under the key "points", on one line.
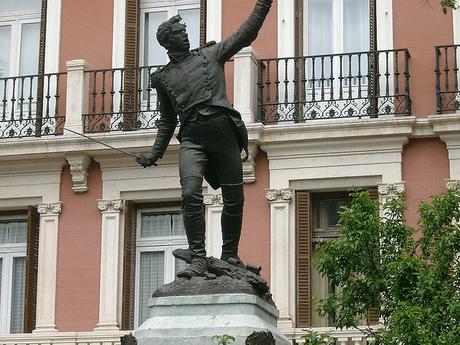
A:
{"points": [[107, 145]]}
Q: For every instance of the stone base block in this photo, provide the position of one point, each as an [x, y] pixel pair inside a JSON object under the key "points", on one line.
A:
{"points": [[193, 320]]}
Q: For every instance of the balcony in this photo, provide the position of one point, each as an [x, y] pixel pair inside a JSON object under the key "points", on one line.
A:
{"points": [[447, 79], [31, 106], [334, 86]]}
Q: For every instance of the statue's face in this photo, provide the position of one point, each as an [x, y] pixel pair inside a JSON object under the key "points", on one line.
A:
{"points": [[178, 38]]}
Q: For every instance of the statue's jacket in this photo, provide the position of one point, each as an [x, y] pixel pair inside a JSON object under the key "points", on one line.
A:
{"points": [[199, 79]]}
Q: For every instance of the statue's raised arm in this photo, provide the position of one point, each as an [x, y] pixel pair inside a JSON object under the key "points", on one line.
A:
{"points": [[247, 32]]}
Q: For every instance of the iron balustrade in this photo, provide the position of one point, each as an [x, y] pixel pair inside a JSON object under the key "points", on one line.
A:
{"points": [[447, 78], [358, 84], [121, 99], [31, 105]]}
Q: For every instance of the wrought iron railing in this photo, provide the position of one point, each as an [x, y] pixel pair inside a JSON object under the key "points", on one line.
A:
{"points": [[332, 86], [32, 106], [121, 99], [447, 78]]}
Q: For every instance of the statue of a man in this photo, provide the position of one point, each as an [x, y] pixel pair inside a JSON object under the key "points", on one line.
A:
{"points": [[191, 87]]}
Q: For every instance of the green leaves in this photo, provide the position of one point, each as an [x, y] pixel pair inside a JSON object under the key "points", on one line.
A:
{"points": [[446, 4], [224, 339], [377, 263]]}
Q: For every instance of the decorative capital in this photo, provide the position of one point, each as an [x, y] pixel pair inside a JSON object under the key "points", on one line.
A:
{"points": [[249, 167], [279, 195], [50, 209], [389, 189], [453, 184], [213, 199], [110, 205], [79, 164]]}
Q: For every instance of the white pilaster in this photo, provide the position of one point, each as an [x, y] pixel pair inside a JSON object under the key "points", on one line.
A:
{"points": [[214, 20], [387, 191], [53, 36], [280, 200], [47, 261], [118, 40], [214, 205], [77, 95], [245, 78], [109, 285]]}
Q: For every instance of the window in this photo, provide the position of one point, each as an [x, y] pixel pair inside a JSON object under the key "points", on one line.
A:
{"points": [[19, 37], [13, 244], [159, 232], [317, 221], [335, 27]]}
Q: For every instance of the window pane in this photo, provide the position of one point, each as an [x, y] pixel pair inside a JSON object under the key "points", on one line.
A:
{"points": [[3, 233], [17, 232], [5, 43], [356, 25], [319, 26], [1, 270], [17, 297], [191, 18], [151, 276], [154, 54], [178, 225], [22, 5], [30, 43], [155, 225]]}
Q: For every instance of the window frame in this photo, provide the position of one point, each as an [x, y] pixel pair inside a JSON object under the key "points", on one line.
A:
{"points": [[165, 244], [8, 252]]}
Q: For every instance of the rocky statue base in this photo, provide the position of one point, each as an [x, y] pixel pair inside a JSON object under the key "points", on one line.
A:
{"points": [[231, 300], [195, 320]]}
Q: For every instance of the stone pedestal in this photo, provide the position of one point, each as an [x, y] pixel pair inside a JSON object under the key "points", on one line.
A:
{"points": [[193, 320]]}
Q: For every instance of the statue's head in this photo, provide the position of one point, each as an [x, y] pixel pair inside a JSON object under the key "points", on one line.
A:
{"points": [[172, 35]]}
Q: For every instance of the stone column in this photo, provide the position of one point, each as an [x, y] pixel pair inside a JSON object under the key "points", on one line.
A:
{"points": [[110, 243], [47, 264], [245, 84], [280, 249], [388, 191], [77, 96], [214, 205]]}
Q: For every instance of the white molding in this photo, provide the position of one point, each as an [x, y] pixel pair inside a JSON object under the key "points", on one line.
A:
{"points": [[456, 25], [214, 205], [286, 28], [384, 24], [76, 95], [47, 267], [79, 163], [53, 36], [118, 39], [214, 20], [112, 206]]}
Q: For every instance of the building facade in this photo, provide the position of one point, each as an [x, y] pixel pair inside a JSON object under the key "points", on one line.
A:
{"points": [[335, 94]]}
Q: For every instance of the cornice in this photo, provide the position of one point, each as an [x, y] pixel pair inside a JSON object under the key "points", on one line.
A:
{"points": [[115, 205]]}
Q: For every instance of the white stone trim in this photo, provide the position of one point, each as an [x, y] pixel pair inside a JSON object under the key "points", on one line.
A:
{"points": [[79, 163], [110, 264], [214, 205], [286, 28], [53, 36], [214, 20], [453, 184], [384, 24], [118, 39], [280, 254], [47, 267], [77, 96], [456, 25]]}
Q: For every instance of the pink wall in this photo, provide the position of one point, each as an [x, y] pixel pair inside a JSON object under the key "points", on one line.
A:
{"points": [[79, 249], [255, 238], [419, 26], [425, 170], [86, 32]]}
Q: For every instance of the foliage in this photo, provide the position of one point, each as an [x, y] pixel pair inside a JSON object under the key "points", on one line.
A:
{"points": [[224, 339], [313, 338], [378, 264], [448, 4]]}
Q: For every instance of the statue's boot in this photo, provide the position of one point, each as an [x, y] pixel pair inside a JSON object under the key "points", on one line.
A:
{"points": [[194, 223], [231, 222]]}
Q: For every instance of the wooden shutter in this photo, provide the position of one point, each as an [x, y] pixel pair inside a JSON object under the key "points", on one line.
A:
{"points": [[129, 265], [373, 314], [41, 68], [303, 207], [131, 77], [30, 300], [203, 18]]}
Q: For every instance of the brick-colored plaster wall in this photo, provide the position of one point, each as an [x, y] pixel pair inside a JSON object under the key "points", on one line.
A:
{"points": [[255, 238], [79, 249], [425, 169], [235, 13], [419, 26], [86, 32]]}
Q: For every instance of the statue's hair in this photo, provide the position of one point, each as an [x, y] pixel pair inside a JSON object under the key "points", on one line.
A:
{"points": [[164, 30]]}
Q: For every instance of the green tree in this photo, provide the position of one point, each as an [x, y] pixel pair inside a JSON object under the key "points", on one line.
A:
{"points": [[414, 284], [446, 4]]}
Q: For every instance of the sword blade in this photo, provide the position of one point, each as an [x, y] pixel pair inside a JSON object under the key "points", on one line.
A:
{"points": [[104, 144]]}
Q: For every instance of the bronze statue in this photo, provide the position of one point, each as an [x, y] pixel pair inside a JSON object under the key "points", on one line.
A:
{"points": [[191, 87]]}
